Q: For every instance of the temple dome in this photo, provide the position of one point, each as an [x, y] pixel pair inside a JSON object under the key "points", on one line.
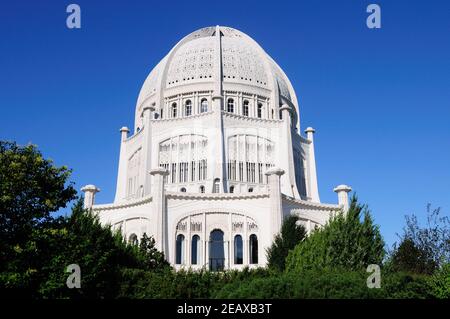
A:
{"points": [[202, 59]]}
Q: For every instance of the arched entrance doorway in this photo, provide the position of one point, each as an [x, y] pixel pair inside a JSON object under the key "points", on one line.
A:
{"points": [[216, 250]]}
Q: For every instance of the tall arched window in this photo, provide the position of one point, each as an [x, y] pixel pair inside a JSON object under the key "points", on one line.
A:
{"points": [[253, 249], [230, 105], [216, 250], [195, 250], [204, 106], [231, 189], [216, 187], [188, 108], [260, 109], [202, 189], [174, 110], [238, 250], [180, 250], [133, 239], [245, 108]]}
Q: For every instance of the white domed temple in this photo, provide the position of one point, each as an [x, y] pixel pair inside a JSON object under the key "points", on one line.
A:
{"points": [[216, 159]]}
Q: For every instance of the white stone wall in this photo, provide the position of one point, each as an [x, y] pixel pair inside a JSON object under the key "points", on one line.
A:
{"points": [[212, 211]]}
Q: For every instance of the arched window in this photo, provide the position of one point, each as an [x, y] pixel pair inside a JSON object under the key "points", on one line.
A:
{"points": [[230, 106], [180, 250], [216, 250], [253, 249], [231, 189], [133, 239], [250, 190], [238, 250], [195, 250], [204, 106], [183, 190], [216, 187], [260, 109], [202, 189], [188, 108], [245, 108], [174, 110]]}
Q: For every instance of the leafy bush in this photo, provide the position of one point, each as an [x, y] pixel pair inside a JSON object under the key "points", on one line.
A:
{"points": [[400, 285], [345, 242], [309, 284], [440, 283], [79, 239], [410, 258], [423, 249], [183, 284]]}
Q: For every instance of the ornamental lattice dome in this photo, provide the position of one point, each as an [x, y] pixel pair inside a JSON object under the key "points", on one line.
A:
{"points": [[231, 62]]}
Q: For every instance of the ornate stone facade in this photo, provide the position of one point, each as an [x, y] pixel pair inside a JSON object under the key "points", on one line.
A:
{"points": [[216, 159]]}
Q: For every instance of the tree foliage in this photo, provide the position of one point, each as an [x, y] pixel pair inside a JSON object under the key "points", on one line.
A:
{"points": [[290, 235], [103, 256], [326, 283], [407, 257], [349, 241], [31, 188], [36, 248], [440, 282], [423, 250]]}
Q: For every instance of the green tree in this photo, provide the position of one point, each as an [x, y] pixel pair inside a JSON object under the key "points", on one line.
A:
{"points": [[153, 258], [36, 248], [349, 241], [31, 188], [423, 249], [291, 234], [407, 257], [102, 255]]}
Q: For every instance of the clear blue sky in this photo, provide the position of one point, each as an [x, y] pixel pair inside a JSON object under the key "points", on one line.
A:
{"points": [[378, 99]]}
